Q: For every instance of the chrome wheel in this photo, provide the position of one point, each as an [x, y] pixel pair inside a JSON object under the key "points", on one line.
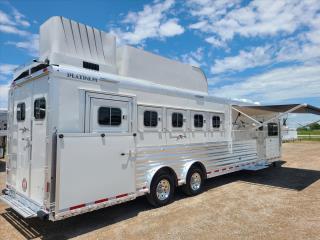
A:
{"points": [[163, 189], [195, 181]]}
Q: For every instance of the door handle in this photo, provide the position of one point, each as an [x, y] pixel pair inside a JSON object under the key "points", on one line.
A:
{"points": [[122, 154]]}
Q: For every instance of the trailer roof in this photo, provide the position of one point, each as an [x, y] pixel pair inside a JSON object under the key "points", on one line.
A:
{"points": [[269, 109]]}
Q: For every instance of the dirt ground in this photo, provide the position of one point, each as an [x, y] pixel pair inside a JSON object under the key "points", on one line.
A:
{"points": [[274, 203]]}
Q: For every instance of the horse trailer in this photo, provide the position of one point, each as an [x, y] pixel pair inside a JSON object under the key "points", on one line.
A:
{"points": [[92, 125]]}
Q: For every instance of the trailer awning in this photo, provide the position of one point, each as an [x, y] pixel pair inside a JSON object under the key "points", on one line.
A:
{"points": [[270, 109]]}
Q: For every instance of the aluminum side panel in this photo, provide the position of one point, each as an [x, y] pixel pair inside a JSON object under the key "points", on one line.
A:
{"points": [[212, 155]]}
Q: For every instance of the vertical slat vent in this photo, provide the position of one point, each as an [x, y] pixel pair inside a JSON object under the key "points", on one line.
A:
{"points": [[91, 66]]}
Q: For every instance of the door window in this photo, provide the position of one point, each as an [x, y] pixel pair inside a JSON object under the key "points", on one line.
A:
{"points": [[21, 111], [40, 108], [272, 129], [109, 116]]}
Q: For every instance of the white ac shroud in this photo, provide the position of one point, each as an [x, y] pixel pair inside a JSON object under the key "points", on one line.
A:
{"points": [[66, 42]]}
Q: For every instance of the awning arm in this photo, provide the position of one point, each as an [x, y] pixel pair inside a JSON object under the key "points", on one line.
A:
{"points": [[251, 118], [281, 114]]}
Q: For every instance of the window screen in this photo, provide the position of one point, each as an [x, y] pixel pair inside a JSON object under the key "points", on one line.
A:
{"points": [[177, 120], [150, 119], [109, 116], [39, 108], [198, 120], [216, 122], [21, 111], [272, 129]]}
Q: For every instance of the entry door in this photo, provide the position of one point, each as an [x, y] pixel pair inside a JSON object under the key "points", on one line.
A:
{"points": [[272, 141], [110, 116], [22, 142]]}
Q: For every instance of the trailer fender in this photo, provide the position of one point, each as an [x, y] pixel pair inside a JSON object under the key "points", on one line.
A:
{"points": [[152, 172], [186, 168]]}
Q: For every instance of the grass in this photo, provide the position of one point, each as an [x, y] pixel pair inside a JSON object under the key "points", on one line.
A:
{"points": [[309, 132]]}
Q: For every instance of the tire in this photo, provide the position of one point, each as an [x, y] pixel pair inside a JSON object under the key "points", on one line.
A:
{"points": [[192, 189], [163, 181]]}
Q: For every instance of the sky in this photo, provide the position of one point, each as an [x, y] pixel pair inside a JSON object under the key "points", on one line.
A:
{"points": [[263, 52]]}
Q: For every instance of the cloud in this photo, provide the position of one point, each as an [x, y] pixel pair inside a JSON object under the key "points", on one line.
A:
{"points": [[215, 42], [194, 58], [258, 56], [5, 19], [225, 19], [275, 85], [31, 44], [4, 88], [170, 28], [20, 18], [15, 19], [13, 30], [7, 69], [151, 22]]}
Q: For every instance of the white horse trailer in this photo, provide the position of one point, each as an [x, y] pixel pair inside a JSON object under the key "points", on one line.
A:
{"points": [[92, 125]]}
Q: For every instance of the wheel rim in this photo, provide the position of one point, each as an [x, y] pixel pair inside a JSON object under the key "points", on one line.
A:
{"points": [[195, 181], [163, 189]]}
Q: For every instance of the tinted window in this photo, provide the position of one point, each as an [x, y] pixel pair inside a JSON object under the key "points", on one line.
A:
{"points": [[150, 118], [216, 122], [21, 111], [198, 120], [109, 116], [40, 108], [272, 129], [177, 120]]}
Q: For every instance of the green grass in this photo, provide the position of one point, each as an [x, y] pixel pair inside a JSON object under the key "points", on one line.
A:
{"points": [[309, 132]]}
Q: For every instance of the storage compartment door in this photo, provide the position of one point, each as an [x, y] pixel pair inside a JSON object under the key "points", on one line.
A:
{"points": [[91, 167]]}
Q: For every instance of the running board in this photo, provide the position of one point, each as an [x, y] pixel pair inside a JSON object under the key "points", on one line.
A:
{"points": [[18, 206]]}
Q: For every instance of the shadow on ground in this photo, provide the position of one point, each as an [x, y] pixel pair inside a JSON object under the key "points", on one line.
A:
{"points": [[279, 177]]}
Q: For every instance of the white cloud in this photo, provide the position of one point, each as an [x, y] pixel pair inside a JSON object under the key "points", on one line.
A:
{"points": [[5, 19], [151, 22], [13, 30], [245, 59], [278, 84], [20, 18], [245, 100], [4, 88], [7, 69], [31, 44], [170, 28], [17, 18], [215, 42], [225, 19], [194, 58]]}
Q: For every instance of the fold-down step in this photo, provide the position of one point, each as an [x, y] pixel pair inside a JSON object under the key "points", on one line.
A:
{"points": [[18, 206]]}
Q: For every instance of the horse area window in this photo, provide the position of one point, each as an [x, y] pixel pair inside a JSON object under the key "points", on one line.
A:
{"points": [[150, 119], [216, 122], [198, 120], [177, 120]]}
